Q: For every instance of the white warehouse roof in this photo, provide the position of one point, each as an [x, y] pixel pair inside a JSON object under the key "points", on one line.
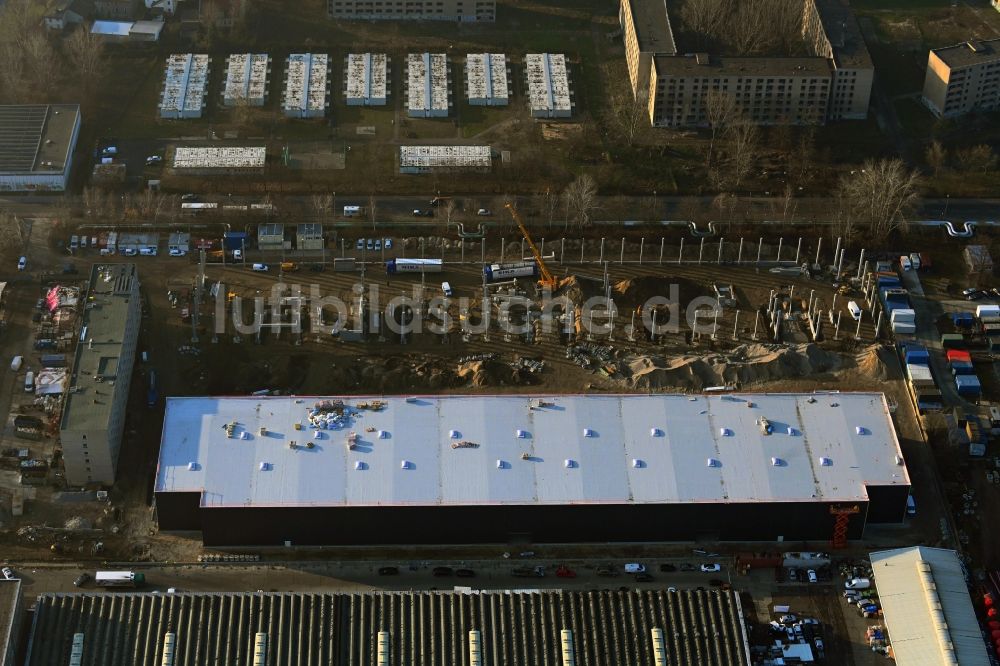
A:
{"points": [[232, 157], [460, 450], [548, 84], [927, 609]]}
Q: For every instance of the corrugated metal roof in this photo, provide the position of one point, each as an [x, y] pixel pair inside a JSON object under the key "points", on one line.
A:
{"points": [[927, 608], [700, 628], [462, 450]]}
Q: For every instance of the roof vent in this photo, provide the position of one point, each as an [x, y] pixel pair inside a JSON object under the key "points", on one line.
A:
{"points": [[725, 432], [861, 430], [899, 460], [411, 399], [264, 466], [454, 434], [404, 464], [638, 464], [192, 467], [521, 434], [317, 434], [712, 462], [262, 432], [777, 462], [570, 464], [245, 435], [359, 465], [587, 432], [501, 464], [383, 434], [655, 432], [792, 432], [825, 462]]}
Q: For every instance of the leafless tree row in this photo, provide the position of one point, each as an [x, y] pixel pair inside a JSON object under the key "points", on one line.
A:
{"points": [[974, 159], [876, 199], [745, 27]]}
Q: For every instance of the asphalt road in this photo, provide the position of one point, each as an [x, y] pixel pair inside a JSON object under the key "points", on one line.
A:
{"points": [[363, 576]]}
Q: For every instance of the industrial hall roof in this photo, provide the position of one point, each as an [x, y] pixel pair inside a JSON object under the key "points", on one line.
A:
{"points": [[686, 628], [521, 450]]}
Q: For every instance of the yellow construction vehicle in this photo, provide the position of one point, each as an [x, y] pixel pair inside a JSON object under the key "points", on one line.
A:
{"points": [[547, 280]]}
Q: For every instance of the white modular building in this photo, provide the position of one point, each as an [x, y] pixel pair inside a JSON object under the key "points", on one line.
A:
{"points": [[184, 86], [428, 87], [307, 85], [549, 93], [209, 160], [246, 79], [424, 159], [366, 79], [486, 79]]}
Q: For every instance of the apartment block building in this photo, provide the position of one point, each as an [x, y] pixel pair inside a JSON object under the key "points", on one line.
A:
{"points": [[833, 83], [963, 78], [466, 11], [93, 416]]}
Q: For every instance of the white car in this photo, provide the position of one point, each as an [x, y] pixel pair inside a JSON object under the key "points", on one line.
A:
{"points": [[22, 263], [484, 212], [711, 568], [811, 574], [259, 268], [177, 252], [8, 573], [635, 567], [153, 159], [129, 252]]}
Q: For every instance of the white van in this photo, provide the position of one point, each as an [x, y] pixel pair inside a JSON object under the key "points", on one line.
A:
{"points": [[855, 311], [147, 251], [635, 567], [260, 268], [29, 382], [446, 288], [16, 362]]}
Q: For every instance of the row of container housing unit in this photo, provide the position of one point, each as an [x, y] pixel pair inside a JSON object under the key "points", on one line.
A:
{"points": [[307, 85], [184, 86], [896, 303], [247, 79], [920, 381]]}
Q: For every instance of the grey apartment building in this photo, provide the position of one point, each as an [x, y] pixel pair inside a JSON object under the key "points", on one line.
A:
{"points": [[832, 83], [94, 413], [465, 11], [963, 78]]}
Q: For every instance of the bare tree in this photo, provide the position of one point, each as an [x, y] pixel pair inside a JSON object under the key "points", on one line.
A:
{"points": [[720, 110], [147, 203], [41, 59], [449, 210], [936, 156], [581, 199], [976, 158], [878, 197], [744, 139], [12, 73], [371, 208], [322, 205], [85, 51], [628, 113]]}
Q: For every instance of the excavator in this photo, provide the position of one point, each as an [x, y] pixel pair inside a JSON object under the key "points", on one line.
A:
{"points": [[547, 280]]}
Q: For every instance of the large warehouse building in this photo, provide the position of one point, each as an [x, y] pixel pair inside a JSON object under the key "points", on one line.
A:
{"points": [[595, 628], [36, 146], [489, 469]]}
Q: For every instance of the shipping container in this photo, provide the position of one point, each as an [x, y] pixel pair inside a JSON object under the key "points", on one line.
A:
{"points": [[988, 310], [915, 260], [968, 385], [344, 264], [903, 314], [958, 355], [904, 327], [953, 341], [919, 375], [413, 266], [53, 360], [916, 354], [962, 368], [962, 319]]}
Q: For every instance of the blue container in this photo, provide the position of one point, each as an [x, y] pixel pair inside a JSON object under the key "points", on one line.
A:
{"points": [[968, 385], [917, 355], [962, 368], [963, 319]]}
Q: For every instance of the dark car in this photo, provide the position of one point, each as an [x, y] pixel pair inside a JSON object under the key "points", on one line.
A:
{"points": [[607, 570], [644, 577], [687, 566], [82, 579], [316, 268], [521, 572], [442, 571], [388, 571], [465, 573], [666, 568]]}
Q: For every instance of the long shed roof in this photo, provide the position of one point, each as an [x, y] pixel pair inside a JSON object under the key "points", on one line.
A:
{"points": [[468, 450], [697, 628]]}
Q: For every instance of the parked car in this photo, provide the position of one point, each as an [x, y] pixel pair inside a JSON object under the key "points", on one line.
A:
{"points": [[687, 566], [378, 244], [811, 575], [643, 577], [370, 244], [259, 268], [793, 575], [525, 572], [388, 571], [153, 159], [422, 213], [711, 568], [606, 570], [635, 567], [387, 242], [788, 618], [22, 263], [465, 573], [858, 584], [8, 573], [82, 579], [442, 571], [360, 244], [176, 252]]}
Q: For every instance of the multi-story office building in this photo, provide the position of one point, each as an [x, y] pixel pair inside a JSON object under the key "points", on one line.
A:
{"points": [[833, 83], [466, 11], [963, 78], [94, 414]]}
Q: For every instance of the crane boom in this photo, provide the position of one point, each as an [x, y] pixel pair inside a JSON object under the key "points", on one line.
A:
{"points": [[548, 280]]}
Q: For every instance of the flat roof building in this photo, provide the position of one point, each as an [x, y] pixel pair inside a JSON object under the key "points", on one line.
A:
{"points": [[215, 160], [270, 236], [36, 146], [963, 78], [260, 470], [424, 159], [428, 85], [11, 619], [646, 32], [926, 608], [831, 31], [521, 628], [549, 93], [309, 236], [486, 79], [481, 11], [93, 415], [246, 79], [366, 79], [185, 84], [307, 85]]}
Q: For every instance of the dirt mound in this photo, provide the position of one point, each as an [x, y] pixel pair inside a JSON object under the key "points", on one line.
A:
{"points": [[744, 366], [874, 363], [578, 289], [629, 294], [490, 373]]}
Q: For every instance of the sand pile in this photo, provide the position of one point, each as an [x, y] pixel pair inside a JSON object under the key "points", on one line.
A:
{"points": [[744, 366], [874, 363], [491, 373], [629, 294]]}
